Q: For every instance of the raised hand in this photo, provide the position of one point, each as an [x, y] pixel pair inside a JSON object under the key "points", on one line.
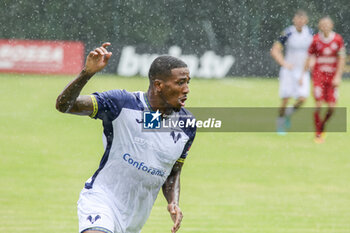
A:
{"points": [[97, 59]]}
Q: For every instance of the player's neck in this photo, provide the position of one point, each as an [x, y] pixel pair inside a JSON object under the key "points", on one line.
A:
{"points": [[156, 102], [326, 34], [299, 29], [327, 37]]}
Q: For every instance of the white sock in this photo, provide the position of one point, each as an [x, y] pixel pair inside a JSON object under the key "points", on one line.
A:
{"points": [[289, 111], [280, 122]]}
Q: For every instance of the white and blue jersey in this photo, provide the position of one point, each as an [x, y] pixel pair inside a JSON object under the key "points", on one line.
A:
{"points": [[134, 166], [296, 46]]}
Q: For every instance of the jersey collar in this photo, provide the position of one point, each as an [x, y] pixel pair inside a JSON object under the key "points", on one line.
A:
{"points": [[147, 102], [328, 39]]}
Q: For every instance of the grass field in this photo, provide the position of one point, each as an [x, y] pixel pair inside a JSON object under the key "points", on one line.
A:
{"points": [[231, 182]]}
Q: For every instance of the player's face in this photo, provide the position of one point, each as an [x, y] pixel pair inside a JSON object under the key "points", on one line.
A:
{"points": [[175, 89], [299, 21], [325, 26]]}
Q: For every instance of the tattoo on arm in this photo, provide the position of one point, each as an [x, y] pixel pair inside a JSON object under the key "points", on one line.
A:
{"points": [[171, 187], [69, 100]]}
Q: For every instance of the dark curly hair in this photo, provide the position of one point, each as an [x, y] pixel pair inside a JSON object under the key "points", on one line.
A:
{"points": [[161, 67]]}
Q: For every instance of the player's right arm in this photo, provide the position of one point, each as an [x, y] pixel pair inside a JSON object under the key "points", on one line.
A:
{"points": [[70, 100], [276, 51], [277, 54]]}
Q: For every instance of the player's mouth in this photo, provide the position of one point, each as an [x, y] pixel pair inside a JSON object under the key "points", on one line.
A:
{"points": [[182, 101]]}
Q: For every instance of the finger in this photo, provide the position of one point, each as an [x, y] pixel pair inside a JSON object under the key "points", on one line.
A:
{"points": [[106, 44], [178, 218], [92, 53], [175, 228], [104, 50], [99, 51], [108, 56]]}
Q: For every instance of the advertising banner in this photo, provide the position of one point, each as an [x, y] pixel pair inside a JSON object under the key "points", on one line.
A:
{"points": [[41, 56], [206, 65]]}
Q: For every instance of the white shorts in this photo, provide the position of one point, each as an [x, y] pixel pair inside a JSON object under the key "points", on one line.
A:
{"points": [[289, 84], [95, 212]]}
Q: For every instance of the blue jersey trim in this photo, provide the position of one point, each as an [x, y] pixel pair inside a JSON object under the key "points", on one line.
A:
{"points": [[102, 229], [189, 131], [283, 38], [289, 31], [111, 103], [147, 102], [134, 102], [285, 35], [108, 132], [186, 149]]}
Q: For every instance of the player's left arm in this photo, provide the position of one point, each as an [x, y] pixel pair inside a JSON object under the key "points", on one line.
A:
{"points": [[340, 67], [171, 191]]}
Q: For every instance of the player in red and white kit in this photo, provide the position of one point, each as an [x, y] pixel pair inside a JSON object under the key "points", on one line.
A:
{"points": [[328, 49]]}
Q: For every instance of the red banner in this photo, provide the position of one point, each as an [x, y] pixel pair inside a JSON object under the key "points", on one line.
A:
{"points": [[39, 56]]}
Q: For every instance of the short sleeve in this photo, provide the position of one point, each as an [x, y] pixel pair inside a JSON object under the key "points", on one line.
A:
{"points": [[342, 50], [191, 133], [284, 36], [107, 105], [186, 150]]}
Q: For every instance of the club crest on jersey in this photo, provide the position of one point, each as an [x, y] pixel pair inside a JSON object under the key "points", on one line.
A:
{"points": [[334, 46], [151, 120], [327, 51], [175, 136], [93, 219]]}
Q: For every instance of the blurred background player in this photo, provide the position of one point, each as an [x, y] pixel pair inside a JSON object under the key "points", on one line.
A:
{"points": [[328, 49], [295, 40]]}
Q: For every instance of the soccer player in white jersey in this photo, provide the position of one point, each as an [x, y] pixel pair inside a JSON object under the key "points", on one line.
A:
{"points": [[118, 198], [295, 40]]}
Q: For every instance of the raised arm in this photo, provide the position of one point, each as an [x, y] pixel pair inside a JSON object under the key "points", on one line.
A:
{"points": [[70, 100], [171, 191]]}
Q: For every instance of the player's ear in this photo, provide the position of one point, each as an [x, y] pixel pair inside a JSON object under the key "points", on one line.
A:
{"points": [[158, 85]]}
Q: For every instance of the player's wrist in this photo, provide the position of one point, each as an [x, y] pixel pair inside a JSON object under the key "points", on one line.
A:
{"points": [[173, 203], [87, 72], [173, 206]]}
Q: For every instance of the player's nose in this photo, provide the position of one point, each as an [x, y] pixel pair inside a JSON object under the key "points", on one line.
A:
{"points": [[186, 89]]}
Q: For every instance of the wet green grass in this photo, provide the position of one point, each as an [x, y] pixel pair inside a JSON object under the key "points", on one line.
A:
{"points": [[231, 182]]}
